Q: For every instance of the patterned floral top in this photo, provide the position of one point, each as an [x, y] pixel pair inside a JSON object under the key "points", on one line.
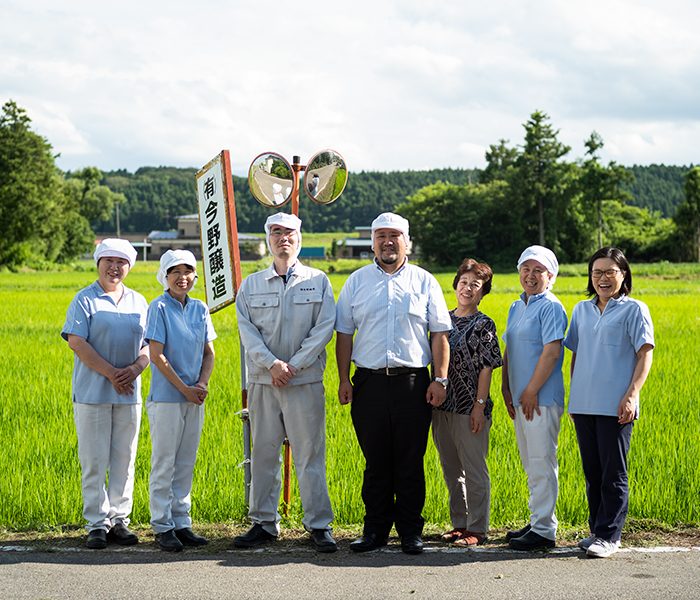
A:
{"points": [[473, 346]]}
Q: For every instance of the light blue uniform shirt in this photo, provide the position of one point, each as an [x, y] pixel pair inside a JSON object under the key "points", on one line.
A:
{"points": [[529, 328], [115, 331], [606, 347], [392, 314], [183, 331]]}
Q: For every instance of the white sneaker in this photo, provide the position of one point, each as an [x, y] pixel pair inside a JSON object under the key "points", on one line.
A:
{"points": [[586, 543], [601, 548]]}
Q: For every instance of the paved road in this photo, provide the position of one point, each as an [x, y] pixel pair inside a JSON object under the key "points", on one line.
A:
{"points": [[143, 573]]}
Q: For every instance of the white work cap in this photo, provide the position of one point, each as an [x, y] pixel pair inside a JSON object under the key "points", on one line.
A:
{"points": [[173, 258], [545, 257], [285, 220], [390, 220], [115, 247]]}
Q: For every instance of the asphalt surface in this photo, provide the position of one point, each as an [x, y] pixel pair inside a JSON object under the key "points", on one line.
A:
{"points": [[143, 572]]}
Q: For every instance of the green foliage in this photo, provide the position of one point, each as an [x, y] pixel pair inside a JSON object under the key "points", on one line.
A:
{"points": [[155, 196], [656, 187], [539, 178], [571, 207], [687, 218], [598, 183], [44, 217], [31, 193], [40, 483], [451, 222]]}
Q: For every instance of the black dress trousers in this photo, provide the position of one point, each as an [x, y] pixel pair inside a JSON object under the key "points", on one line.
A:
{"points": [[392, 418], [604, 445]]}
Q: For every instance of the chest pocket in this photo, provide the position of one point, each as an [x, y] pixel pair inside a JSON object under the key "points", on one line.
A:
{"points": [[531, 330], [612, 334], [264, 300], [307, 298], [417, 306]]}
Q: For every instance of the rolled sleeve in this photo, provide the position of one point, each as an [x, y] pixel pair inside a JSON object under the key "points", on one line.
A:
{"points": [[571, 339], [553, 321], [344, 323], [77, 320], [155, 324], [641, 328], [438, 314]]}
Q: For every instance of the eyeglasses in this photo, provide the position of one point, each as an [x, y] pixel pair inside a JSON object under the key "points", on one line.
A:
{"points": [[473, 286], [609, 273], [282, 233]]}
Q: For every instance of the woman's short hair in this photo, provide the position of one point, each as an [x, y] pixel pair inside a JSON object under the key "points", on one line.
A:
{"points": [[617, 256], [480, 270]]}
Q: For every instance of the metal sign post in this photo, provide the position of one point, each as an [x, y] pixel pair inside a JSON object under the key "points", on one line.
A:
{"points": [[222, 262]]}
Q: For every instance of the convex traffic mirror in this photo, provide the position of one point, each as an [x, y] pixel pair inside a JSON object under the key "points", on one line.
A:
{"points": [[273, 181], [325, 177]]}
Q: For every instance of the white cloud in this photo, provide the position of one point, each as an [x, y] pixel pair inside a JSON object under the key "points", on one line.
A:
{"points": [[391, 85]]}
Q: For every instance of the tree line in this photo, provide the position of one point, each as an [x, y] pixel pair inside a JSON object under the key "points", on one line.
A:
{"points": [[533, 193], [527, 193]]}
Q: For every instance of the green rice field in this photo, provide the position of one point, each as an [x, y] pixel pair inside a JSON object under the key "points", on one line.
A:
{"points": [[40, 475]]}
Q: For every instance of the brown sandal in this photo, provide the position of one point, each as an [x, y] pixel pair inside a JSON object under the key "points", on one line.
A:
{"points": [[470, 539], [452, 536]]}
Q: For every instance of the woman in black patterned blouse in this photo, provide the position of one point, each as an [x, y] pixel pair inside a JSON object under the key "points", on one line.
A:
{"points": [[461, 425]]}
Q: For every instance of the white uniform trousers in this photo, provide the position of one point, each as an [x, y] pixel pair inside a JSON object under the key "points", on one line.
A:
{"points": [[299, 411], [107, 439], [463, 458], [537, 442], [176, 428]]}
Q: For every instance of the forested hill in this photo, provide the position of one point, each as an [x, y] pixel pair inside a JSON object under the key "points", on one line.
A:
{"points": [[657, 187], [156, 195]]}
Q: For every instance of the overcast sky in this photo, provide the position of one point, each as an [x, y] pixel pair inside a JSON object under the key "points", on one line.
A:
{"points": [[396, 84]]}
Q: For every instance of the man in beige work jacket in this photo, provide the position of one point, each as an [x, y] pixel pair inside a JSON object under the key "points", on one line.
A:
{"points": [[286, 315]]}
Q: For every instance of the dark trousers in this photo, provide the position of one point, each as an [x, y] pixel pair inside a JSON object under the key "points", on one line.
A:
{"points": [[604, 444], [392, 419]]}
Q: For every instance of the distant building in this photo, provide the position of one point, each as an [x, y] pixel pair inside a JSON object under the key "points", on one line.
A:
{"points": [[359, 247], [186, 237]]}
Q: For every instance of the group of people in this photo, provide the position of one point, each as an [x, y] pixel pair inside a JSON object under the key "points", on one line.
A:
{"points": [[114, 334], [417, 364]]}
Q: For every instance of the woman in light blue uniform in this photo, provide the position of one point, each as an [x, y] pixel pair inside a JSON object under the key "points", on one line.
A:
{"points": [[105, 327], [180, 334], [533, 390], [612, 340]]}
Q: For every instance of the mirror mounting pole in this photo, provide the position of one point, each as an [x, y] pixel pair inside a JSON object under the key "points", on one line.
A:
{"points": [[297, 168]]}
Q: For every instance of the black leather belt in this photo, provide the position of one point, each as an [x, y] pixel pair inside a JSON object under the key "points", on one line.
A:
{"points": [[392, 371]]}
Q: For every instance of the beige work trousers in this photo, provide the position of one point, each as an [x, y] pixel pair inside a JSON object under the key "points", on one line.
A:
{"points": [[463, 458]]}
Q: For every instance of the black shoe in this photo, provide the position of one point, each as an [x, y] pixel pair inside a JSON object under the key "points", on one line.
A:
{"points": [[323, 540], [518, 532], [411, 544], [531, 541], [97, 539], [190, 538], [168, 541], [255, 536], [368, 541], [121, 535]]}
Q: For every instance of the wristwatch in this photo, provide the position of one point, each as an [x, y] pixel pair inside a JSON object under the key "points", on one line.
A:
{"points": [[442, 381]]}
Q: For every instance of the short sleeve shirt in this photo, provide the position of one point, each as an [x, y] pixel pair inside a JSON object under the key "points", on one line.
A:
{"points": [[529, 328], [392, 314], [115, 330], [183, 331], [473, 347], [606, 346]]}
